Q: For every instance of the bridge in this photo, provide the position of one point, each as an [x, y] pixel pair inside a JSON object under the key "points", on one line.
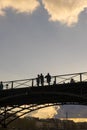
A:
{"points": [[24, 96]]}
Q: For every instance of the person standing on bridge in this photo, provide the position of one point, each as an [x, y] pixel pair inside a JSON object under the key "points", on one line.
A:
{"points": [[48, 78], [42, 79], [1, 85], [72, 80], [38, 80]]}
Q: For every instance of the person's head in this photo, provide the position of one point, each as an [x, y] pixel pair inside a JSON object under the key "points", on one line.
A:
{"points": [[1, 82]]}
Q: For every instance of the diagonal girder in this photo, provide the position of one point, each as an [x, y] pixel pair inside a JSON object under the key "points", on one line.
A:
{"points": [[20, 111]]}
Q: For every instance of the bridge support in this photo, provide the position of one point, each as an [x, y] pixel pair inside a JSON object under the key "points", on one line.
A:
{"points": [[3, 114], [9, 114]]}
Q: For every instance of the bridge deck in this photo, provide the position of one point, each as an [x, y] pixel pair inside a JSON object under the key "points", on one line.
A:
{"points": [[59, 93]]}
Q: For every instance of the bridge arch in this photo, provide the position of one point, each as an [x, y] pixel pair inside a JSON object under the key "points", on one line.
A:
{"points": [[62, 92], [10, 117]]}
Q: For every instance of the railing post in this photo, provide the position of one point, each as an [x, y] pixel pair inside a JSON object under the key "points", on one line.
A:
{"points": [[12, 85], [80, 77], [32, 82], [55, 80]]}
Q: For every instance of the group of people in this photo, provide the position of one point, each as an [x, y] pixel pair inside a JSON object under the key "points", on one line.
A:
{"points": [[40, 79]]}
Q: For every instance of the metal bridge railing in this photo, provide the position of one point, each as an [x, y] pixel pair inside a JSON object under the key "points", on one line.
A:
{"points": [[59, 79]]}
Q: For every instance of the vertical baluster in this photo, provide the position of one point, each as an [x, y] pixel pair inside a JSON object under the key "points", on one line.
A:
{"points": [[32, 82], [55, 80], [12, 85], [80, 77]]}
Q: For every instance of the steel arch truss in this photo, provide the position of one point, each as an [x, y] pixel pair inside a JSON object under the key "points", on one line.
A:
{"points": [[9, 114]]}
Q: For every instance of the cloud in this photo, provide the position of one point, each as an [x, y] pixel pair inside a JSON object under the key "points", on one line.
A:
{"points": [[73, 111], [65, 11], [76, 119], [21, 6], [46, 112]]}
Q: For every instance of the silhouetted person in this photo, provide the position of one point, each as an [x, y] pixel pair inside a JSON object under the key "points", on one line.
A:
{"points": [[72, 80], [6, 86], [1, 85], [42, 79], [48, 78], [38, 80]]}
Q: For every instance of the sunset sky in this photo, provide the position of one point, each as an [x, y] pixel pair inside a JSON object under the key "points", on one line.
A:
{"points": [[41, 36]]}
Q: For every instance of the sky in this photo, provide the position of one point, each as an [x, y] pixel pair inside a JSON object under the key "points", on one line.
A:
{"points": [[41, 36]]}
